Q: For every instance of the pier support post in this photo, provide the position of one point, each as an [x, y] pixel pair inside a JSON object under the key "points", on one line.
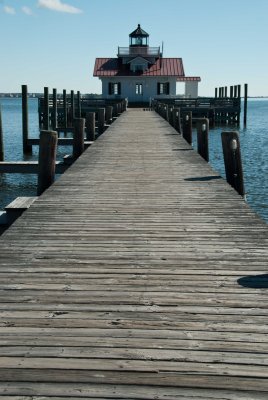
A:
{"points": [[101, 120], [1, 137], [202, 138], [231, 92], [187, 127], [232, 161], [55, 110], [78, 138], [90, 126], [216, 93], [245, 103], [47, 160], [25, 123]]}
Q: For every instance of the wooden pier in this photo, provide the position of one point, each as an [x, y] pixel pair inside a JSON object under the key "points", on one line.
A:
{"points": [[139, 274]]}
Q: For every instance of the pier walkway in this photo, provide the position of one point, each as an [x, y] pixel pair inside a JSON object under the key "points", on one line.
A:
{"points": [[140, 274]]}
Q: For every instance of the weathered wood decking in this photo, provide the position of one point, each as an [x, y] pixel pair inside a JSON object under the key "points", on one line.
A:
{"points": [[121, 280]]}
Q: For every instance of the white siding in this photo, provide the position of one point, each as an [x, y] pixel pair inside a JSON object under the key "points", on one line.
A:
{"points": [[128, 87], [191, 89]]}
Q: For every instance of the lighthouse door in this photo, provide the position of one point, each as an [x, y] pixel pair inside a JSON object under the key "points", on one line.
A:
{"points": [[139, 91]]}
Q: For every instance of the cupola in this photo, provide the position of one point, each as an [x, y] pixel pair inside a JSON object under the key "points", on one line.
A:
{"points": [[139, 38]]}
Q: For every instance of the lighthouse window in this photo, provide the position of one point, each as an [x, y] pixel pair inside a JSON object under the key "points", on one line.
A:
{"points": [[138, 88], [163, 88], [114, 88]]}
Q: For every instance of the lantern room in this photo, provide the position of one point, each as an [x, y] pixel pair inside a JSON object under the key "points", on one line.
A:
{"points": [[138, 37]]}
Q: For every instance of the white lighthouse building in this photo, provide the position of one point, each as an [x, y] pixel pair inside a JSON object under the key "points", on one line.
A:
{"points": [[141, 73]]}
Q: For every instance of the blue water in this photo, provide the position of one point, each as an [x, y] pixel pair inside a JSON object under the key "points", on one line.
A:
{"points": [[253, 139]]}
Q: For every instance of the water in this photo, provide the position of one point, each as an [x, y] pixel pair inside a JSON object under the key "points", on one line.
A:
{"points": [[14, 185], [253, 139]]}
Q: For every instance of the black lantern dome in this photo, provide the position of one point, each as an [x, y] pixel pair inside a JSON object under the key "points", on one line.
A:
{"points": [[139, 37]]}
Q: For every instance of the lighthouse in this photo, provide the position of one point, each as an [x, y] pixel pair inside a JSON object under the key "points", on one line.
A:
{"points": [[140, 73]]}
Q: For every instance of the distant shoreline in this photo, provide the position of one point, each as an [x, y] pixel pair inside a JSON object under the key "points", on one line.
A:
{"points": [[37, 95]]}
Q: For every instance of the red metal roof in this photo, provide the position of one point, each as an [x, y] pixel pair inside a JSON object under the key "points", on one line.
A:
{"points": [[162, 67]]}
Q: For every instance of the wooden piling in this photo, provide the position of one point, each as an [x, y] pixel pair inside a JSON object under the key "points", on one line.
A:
{"points": [[245, 103], [231, 92], [47, 159], [78, 138], [25, 121], [109, 114], [90, 126], [166, 112], [101, 120], [177, 112], [55, 110], [216, 93], [1, 137], [202, 137], [78, 105], [64, 108], [46, 109], [235, 91], [232, 161], [225, 91], [187, 127]]}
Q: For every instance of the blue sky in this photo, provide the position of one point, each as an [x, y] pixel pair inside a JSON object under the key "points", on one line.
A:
{"points": [[54, 43]]}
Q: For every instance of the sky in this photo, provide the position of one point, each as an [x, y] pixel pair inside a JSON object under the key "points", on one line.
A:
{"points": [[54, 43]]}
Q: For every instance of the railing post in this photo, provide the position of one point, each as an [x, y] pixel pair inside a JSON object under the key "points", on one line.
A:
{"points": [[202, 138], [78, 138], [25, 123], [187, 127], [1, 137], [47, 160], [101, 120], [90, 124], [232, 161]]}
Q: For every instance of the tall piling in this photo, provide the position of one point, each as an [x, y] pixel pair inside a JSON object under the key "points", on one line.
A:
{"points": [[25, 122], [78, 105], [55, 110], [46, 109], [245, 103]]}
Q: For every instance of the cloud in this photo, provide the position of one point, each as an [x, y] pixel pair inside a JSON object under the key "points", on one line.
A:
{"points": [[26, 10], [9, 10], [57, 5]]}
